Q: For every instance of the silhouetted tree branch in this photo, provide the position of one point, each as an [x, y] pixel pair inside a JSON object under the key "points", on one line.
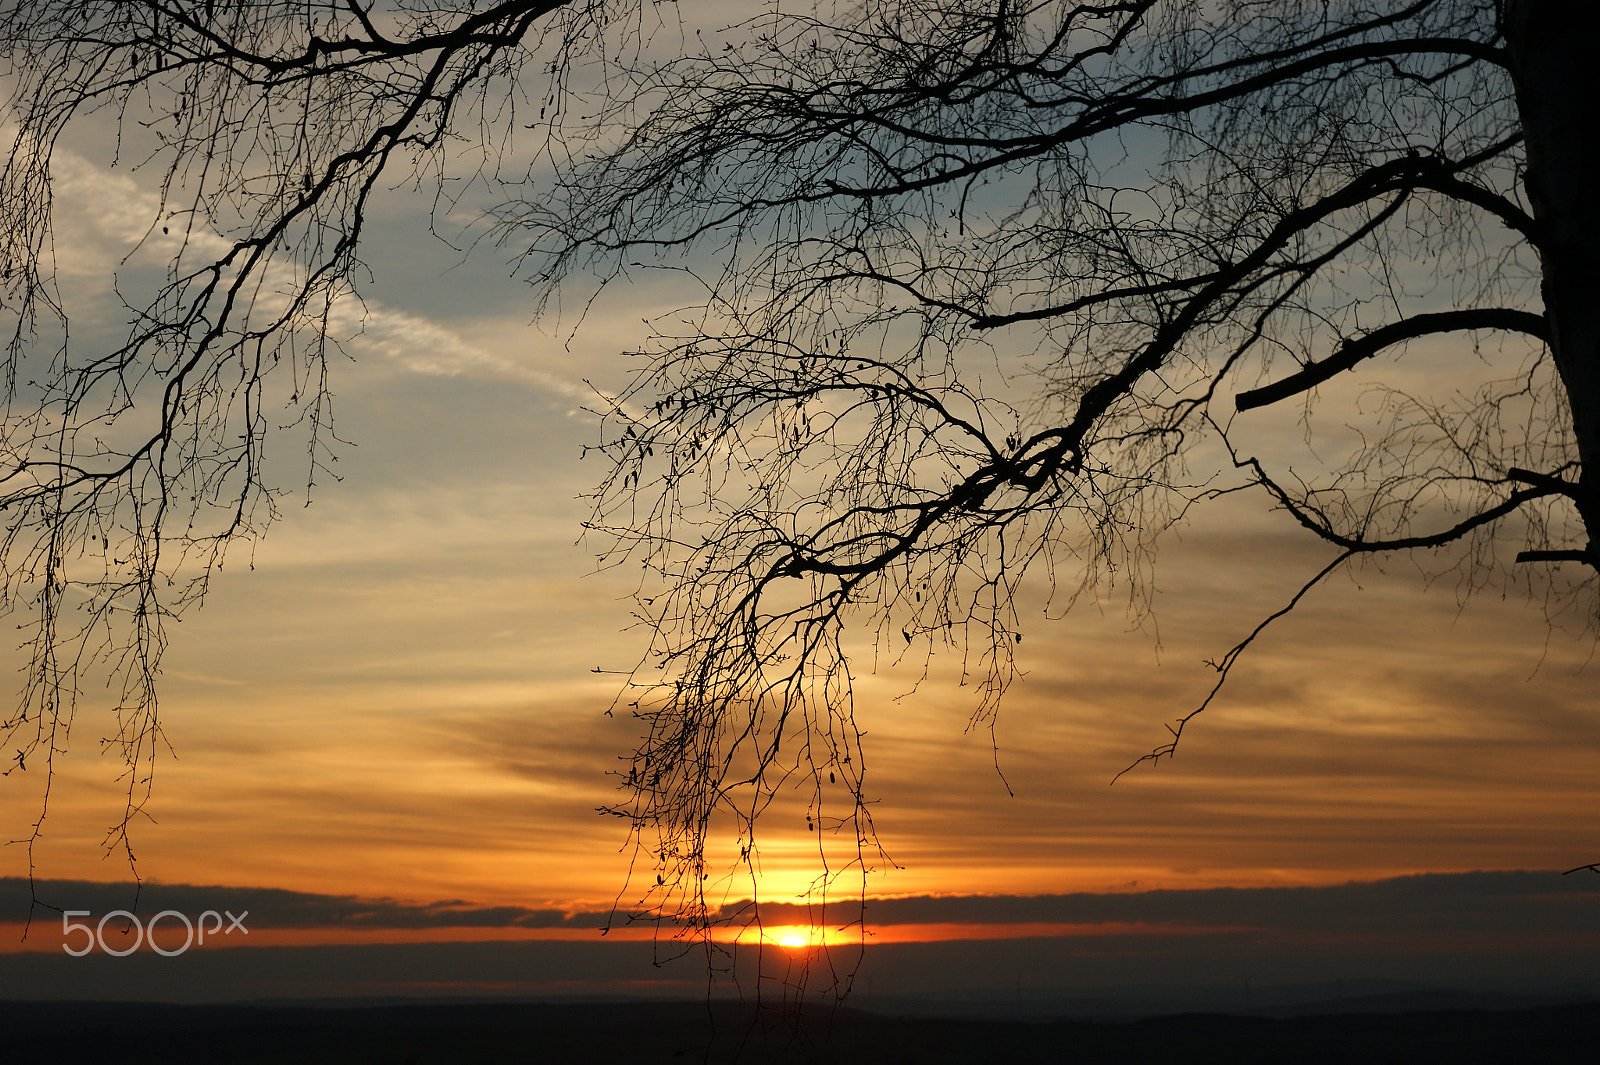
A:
{"points": [[984, 285], [1354, 350], [127, 473]]}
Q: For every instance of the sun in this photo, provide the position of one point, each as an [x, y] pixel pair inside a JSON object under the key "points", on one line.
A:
{"points": [[791, 937]]}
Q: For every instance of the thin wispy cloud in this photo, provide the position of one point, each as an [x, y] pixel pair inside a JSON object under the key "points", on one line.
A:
{"points": [[425, 347], [105, 218]]}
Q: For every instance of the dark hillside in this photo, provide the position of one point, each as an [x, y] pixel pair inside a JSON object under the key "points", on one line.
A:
{"points": [[599, 1034]]}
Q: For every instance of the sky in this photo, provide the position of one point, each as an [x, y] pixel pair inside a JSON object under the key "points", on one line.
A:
{"points": [[389, 741]]}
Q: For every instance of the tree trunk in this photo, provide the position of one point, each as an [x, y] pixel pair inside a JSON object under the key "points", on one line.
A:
{"points": [[1553, 65]]}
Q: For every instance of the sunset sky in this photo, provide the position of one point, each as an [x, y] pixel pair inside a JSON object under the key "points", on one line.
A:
{"points": [[392, 697]]}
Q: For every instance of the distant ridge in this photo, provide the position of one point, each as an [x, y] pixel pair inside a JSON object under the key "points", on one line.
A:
{"points": [[602, 1034]]}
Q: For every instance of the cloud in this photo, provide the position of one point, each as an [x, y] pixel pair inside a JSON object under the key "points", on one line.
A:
{"points": [[100, 216], [105, 221], [1507, 901], [276, 908], [1479, 901], [425, 347], [1521, 933]]}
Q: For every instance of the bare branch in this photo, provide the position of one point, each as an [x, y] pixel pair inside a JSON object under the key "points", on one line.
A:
{"points": [[1353, 350]]}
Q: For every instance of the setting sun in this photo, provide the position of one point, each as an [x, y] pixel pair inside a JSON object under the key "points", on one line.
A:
{"points": [[792, 941]]}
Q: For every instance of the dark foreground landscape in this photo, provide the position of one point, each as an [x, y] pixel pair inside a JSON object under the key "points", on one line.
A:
{"points": [[599, 1033]]}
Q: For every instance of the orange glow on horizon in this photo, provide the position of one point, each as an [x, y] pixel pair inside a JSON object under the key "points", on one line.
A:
{"points": [[46, 936], [787, 936]]}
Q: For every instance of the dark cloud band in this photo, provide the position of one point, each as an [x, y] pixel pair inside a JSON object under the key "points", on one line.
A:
{"points": [[1519, 901]]}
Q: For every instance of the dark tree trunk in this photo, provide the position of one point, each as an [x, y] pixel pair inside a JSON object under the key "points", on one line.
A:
{"points": [[1555, 68]]}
